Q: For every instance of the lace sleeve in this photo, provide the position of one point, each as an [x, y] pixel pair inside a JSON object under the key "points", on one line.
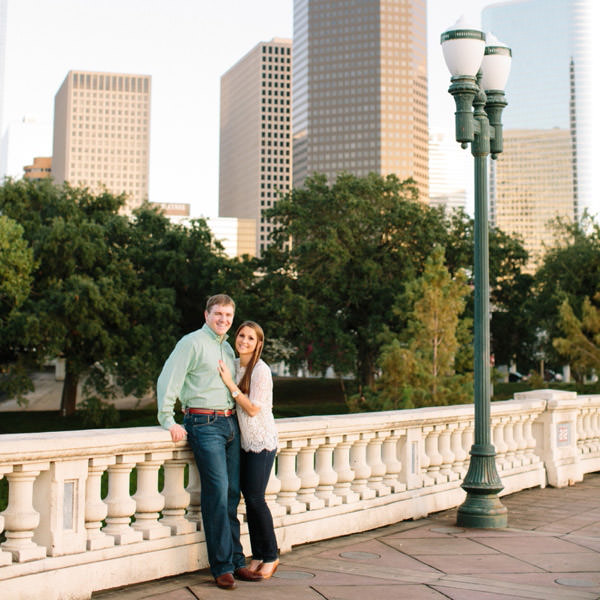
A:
{"points": [[261, 386]]}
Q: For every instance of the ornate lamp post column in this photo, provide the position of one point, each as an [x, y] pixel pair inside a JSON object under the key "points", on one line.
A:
{"points": [[479, 74]]}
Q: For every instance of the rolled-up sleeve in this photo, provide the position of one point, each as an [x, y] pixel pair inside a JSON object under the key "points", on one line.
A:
{"points": [[171, 380]]}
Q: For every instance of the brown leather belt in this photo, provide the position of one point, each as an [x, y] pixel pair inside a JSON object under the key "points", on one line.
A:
{"points": [[207, 411]]}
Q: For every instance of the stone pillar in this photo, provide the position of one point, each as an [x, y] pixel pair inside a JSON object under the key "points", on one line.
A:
{"points": [[194, 512], [121, 505], [176, 497], [376, 464], [59, 497], [345, 475], [290, 482], [327, 475], [511, 444], [411, 456], [95, 508], [5, 557], [358, 463], [148, 500], [446, 468], [458, 448], [20, 518], [309, 478], [433, 453], [500, 445], [393, 466], [273, 488]]}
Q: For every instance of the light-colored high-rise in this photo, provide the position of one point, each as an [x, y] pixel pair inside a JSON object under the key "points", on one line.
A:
{"points": [[546, 168], [360, 89], [102, 133], [255, 134], [532, 185]]}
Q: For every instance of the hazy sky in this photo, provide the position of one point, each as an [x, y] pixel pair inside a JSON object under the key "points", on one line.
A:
{"points": [[185, 45]]}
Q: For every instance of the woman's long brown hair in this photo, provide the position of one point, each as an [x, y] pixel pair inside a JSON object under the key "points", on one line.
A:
{"points": [[244, 383]]}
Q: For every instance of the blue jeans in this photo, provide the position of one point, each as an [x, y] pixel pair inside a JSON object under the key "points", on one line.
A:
{"points": [[215, 442], [256, 469]]}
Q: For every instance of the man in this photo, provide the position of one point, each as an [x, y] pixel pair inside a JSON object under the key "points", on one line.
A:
{"points": [[212, 431]]}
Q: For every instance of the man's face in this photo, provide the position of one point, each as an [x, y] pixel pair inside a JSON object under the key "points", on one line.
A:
{"points": [[220, 318]]}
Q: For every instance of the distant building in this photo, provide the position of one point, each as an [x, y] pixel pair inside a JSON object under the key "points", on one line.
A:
{"points": [[40, 169], [532, 184], [548, 121], [237, 236], [173, 209], [360, 89], [102, 133], [447, 172], [255, 134], [23, 139]]}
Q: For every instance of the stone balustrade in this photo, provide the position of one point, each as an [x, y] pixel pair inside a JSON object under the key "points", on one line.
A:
{"points": [[74, 524]]}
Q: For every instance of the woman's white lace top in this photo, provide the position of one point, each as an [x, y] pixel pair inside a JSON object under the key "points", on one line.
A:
{"points": [[259, 432]]}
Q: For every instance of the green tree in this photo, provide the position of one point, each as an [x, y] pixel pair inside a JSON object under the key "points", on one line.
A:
{"points": [[580, 346], [354, 246], [87, 300], [418, 368], [570, 270]]}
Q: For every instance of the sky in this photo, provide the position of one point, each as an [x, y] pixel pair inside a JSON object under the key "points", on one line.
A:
{"points": [[185, 45]]}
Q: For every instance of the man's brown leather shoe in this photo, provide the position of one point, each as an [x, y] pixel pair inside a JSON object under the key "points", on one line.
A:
{"points": [[246, 574], [225, 581]]}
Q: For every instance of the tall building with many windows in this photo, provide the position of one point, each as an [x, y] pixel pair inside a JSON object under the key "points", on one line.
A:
{"points": [[547, 124], [102, 133], [360, 88], [255, 134]]}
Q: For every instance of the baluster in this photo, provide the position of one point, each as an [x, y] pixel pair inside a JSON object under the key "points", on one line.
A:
{"points": [[376, 464], [588, 431], [148, 500], [459, 449], [5, 557], [393, 466], [425, 458], [121, 505], [521, 457], [194, 512], [309, 478], [499, 444], [580, 433], [95, 508], [596, 428], [435, 458], [177, 498], [446, 452], [530, 441], [511, 444], [345, 475], [273, 488], [20, 518], [358, 463], [290, 482], [327, 474]]}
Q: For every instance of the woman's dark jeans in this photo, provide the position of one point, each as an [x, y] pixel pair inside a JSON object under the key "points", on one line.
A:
{"points": [[254, 476]]}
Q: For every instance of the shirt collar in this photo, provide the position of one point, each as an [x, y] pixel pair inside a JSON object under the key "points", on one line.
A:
{"points": [[213, 335]]}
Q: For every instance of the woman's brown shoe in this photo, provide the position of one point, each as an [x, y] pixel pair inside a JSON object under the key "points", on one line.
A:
{"points": [[267, 569], [255, 565]]}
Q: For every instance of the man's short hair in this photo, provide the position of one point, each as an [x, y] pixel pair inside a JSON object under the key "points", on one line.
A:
{"points": [[219, 300]]}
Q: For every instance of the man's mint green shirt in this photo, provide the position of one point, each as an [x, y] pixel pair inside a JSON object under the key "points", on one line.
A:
{"points": [[190, 374]]}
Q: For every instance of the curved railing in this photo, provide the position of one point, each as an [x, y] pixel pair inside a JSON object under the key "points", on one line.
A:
{"points": [[334, 475]]}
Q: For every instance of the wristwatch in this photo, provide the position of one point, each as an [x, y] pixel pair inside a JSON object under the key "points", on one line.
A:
{"points": [[235, 394]]}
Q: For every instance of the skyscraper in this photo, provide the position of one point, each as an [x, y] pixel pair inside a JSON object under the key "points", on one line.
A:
{"points": [[549, 112], [102, 133], [255, 134], [360, 88]]}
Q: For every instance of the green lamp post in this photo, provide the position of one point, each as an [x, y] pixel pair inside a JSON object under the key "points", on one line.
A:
{"points": [[479, 73]]}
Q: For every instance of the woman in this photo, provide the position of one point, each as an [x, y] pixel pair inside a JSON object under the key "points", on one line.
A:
{"points": [[253, 393]]}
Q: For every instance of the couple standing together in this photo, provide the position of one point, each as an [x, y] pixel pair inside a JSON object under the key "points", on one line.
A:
{"points": [[230, 428]]}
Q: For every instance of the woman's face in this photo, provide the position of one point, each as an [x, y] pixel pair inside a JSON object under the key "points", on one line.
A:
{"points": [[246, 340]]}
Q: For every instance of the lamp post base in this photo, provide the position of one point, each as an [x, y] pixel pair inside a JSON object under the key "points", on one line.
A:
{"points": [[484, 511], [482, 507]]}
